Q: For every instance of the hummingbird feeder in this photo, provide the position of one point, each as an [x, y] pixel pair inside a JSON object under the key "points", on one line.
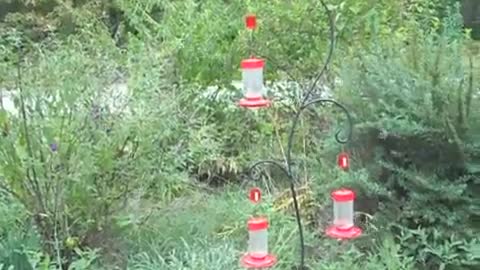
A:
{"points": [[343, 161], [343, 225], [254, 97], [257, 255], [252, 77]]}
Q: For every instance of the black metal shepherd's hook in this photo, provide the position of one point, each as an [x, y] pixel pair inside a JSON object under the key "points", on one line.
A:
{"points": [[304, 104]]}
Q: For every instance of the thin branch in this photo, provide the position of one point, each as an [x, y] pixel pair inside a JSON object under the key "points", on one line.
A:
{"points": [[470, 89], [34, 180]]}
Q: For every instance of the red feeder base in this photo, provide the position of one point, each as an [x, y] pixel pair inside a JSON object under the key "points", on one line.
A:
{"points": [[248, 261], [337, 233], [254, 102]]}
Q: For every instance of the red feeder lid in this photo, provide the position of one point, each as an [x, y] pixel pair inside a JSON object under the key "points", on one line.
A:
{"points": [[249, 261], [252, 63], [254, 102], [251, 21], [343, 234], [256, 224], [343, 195], [343, 161]]}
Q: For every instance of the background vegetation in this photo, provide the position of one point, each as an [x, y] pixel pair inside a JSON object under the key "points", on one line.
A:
{"points": [[124, 148]]}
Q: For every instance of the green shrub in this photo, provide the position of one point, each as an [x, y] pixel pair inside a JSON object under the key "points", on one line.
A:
{"points": [[81, 157], [73, 159], [417, 135]]}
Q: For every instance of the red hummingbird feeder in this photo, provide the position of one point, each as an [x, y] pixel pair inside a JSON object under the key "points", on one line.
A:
{"points": [[343, 225], [257, 256], [252, 75]]}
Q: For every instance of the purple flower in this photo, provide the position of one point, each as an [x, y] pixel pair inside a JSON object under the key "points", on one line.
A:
{"points": [[53, 147]]}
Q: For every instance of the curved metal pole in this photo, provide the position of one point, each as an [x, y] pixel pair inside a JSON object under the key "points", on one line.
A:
{"points": [[288, 172], [349, 117], [331, 22], [289, 161], [306, 102], [270, 162]]}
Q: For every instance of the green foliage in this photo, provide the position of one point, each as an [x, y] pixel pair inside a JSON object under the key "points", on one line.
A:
{"points": [[105, 152], [201, 255], [434, 248], [418, 110], [112, 151], [209, 231], [387, 255], [115, 179], [17, 241]]}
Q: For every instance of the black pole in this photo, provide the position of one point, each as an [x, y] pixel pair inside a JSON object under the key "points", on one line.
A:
{"points": [[306, 102]]}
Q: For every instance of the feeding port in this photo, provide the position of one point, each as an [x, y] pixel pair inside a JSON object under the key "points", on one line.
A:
{"points": [[343, 220]]}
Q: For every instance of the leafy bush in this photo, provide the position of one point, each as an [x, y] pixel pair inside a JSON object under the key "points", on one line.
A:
{"points": [[418, 138], [83, 152], [70, 156]]}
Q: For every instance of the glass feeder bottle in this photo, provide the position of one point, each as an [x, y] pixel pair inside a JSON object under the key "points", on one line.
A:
{"points": [[258, 238], [343, 209], [252, 77]]}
